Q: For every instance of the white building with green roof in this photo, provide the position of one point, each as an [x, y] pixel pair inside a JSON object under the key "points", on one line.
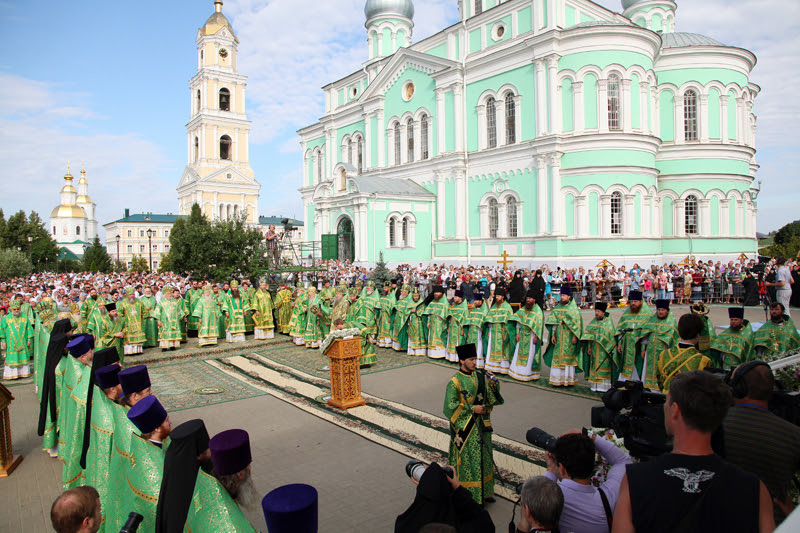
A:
{"points": [[554, 130]]}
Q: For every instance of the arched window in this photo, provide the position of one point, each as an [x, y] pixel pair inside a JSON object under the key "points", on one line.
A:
{"points": [[392, 237], [614, 115], [196, 148], [493, 218], [54, 230], [491, 123], [77, 230], [225, 147], [319, 158], [690, 115], [405, 232], [343, 180], [511, 119], [423, 136], [349, 156], [616, 213], [360, 155], [511, 211], [410, 139], [478, 7], [224, 100], [221, 212], [397, 143], [690, 217]]}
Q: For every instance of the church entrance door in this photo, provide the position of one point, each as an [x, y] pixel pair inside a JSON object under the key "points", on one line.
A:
{"points": [[346, 241]]}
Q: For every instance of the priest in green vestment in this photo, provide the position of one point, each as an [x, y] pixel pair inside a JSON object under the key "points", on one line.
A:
{"points": [[108, 328], [500, 332], [599, 345], [150, 324], [777, 336], [283, 306], [436, 308], [734, 346], [297, 325], [81, 348], [135, 384], [235, 310], [469, 399], [317, 320], [361, 316], [684, 356], [474, 326], [133, 312], [526, 365], [264, 322], [660, 334], [192, 295], [147, 457], [221, 297], [415, 328], [89, 306], [169, 313], [400, 319], [16, 338], [387, 301], [247, 293], [565, 325], [456, 333], [628, 358], [206, 313]]}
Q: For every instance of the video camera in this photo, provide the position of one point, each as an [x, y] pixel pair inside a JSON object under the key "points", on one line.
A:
{"points": [[287, 225], [641, 425]]}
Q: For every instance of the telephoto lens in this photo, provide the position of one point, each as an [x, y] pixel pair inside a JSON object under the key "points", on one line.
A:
{"points": [[414, 469], [132, 524], [541, 439]]}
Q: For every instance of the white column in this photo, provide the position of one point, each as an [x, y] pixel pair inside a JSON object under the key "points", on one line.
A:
{"points": [[380, 44], [441, 208], [462, 208], [369, 43], [518, 118], [458, 94], [482, 140], [551, 14], [417, 141], [739, 218], [644, 104], [500, 121], [394, 41], [557, 203], [628, 213], [702, 118], [646, 231], [403, 143], [627, 119], [704, 206], [441, 131], [502, 221], [367, 155], [381, 143], [723, 115], [542, 202], [602, 105], [582, 216], [741, 126], [605, 216], [658, 220], [541, 99], [330, 154], [555, 110], [724, 218], [578, 107], [680, 132], [656, 116], [390, 155], [680, 218]]}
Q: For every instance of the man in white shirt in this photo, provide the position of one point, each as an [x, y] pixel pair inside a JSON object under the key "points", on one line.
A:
{"points": [[782, 284]]}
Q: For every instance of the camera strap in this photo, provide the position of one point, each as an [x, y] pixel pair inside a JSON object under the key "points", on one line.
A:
{"points": [[607, 507]]}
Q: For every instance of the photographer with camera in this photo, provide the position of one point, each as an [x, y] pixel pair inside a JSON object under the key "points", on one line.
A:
{"points": [[441, 499], [759, 441], [570, 462], [692, 489]]}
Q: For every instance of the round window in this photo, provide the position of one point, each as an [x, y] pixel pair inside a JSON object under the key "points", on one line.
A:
{"points": [[408, 91], [498, 31], [353, 92]]}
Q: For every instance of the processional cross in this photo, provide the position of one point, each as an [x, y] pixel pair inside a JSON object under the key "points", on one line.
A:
{"points": [[505, 261]]}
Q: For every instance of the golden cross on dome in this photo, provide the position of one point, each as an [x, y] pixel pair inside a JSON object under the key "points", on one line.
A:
{"points": [[505, 261], [68, 162]]}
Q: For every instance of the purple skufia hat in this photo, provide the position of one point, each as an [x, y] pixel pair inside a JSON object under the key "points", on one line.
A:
{"points": [[147, 414], [292, 509], [230, 451], [107, 376], [80, 345], [736, 312], [134, 379], [566, 290], [662, 304], [635, 296]]}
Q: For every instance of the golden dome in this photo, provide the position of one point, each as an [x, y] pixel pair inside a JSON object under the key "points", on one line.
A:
{"points": [[67, 211], [84, 199], [217, 21]]}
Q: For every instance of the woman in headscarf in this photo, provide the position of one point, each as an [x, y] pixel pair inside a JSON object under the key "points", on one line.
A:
{"points": [[516, 290]]}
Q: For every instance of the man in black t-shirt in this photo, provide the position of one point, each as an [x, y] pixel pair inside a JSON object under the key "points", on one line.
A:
{"points": [[691, 489]]}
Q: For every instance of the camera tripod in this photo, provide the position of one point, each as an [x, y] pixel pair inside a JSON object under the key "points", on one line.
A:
{"points": [[287, 241]]}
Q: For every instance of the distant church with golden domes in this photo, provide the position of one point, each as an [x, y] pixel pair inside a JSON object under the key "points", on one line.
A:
{"points": [[73, 222]]}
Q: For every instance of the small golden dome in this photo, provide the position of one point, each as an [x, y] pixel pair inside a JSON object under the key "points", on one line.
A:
{"points": [[67, 211], [68, 188], [84, 199], [217, 21]]}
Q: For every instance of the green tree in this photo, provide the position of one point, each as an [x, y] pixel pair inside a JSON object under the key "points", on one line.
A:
{"points": [[138, 264], [786, 243], [96, 259], [15, 232], [380, 274], [13, 264]]}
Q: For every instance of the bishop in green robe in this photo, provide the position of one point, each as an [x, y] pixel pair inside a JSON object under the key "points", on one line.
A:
{"points": [[297, 325], [235, 310], [361, 316], [415, 327], [206, 313], [661, 334], [261, 302], [283, 306], [436, 310], [133, 312], [456, 333], [388, 301], [108, 328], [468, 403], [16, 337], [526, 365], [734, 346], [340, 303], [317, 320], [247, 292], [629, 332], [599, 346], [565, 325], [400, 319], [777, 336], [170, 314], [500, 332]]}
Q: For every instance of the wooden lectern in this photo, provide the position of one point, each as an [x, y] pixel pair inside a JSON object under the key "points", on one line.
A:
{"points": [[7, 460], [345, 364]]}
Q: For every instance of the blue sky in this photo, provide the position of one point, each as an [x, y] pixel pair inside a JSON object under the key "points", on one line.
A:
{"points": [[107, 82]]}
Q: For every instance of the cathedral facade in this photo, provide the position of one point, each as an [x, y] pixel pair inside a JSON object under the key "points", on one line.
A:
{"points": [[73, 222], [554, 130]]}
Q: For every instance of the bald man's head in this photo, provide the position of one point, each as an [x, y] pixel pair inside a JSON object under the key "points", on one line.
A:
{"points": [[76, 511]]}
